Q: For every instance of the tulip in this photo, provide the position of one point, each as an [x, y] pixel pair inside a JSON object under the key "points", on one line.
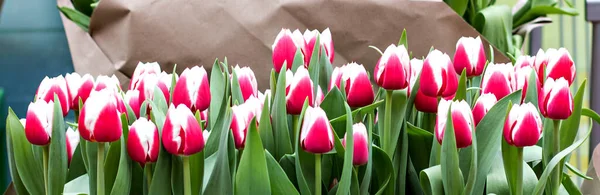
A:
{"points": [[72, 139], [556, 100], [499, 79], [103, 82], [393, 68], [242, 116], [484, 103], [57, 85], [437, 76], [192, 89], [204, 117], [247, 81], [317, 133], [416, 65], [469, 55], [100, 119], [425, 103], [132, 98], [182, 134], [141, 69], [359, 91], [462, 121], [523, 126], [79, 88], [267, 94], [148, 82], [560, 64], [142, 142], [38, 124], [284, 48], [310, 38], [361, 144], [523, 69], [540, 62], [300, 88]]}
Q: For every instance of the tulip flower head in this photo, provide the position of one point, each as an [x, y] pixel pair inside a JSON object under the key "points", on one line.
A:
{"points": [[284, 48], [462, 121], [393, 68], [523, 126], [359, 91], [310, 38], [416, 65], [57, 85], [100, 118], [147, 83], [300, 88], [425, 103], [560, 64], [38, 124], [141, 69], [242, 116], [132, 98], [484, 103], [247, 81], [142, 142], [438, 77], [192, 89], [103, 82], [523, 72], [72, 139], [556, 100], [316, 133], [80, 87], [469, 55], [361, 144], [182, 134], [499, 79]]}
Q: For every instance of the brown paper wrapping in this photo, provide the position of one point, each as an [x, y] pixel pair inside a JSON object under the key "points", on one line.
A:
{"points": [[189, 33]]}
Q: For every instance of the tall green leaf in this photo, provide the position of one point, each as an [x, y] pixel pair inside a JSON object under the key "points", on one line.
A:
{"points": [[431, 180], [28, 167], [122, 182], [220, 179], [570, 126], [420, 147], [304, 161], [459, 6], [298, 60], [218, 92], [461, 91], [403, 39], [495, 24], [161, 178], [13, 124], [345, 180], [383, 171], [77, 17], [57, 161], [265, 128], [253, 176], [278, 113], [197, 172], [280, 184], [451, 175], [236, 91], [220, 126]]}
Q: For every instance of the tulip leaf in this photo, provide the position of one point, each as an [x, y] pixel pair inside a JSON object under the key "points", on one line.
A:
{"points": [[304, 161], [413, 94], [219, 180], [283, 143], [197, 171], [461, 91], [298, 60], [401, 160], [57, 160], [92, 156], [345, 179], [366, 180], [218, 93], [77, 17], [489, 137], [333, 105], [420, 146], [382, 170], [220, 126], [532, 153], [236, 91], [177, 175], [495, 24], [532, 90], [325, 72], [362, 110], [76, 168], [111, 164], [13, 124], [403, 39], [265, 128], [398, 112], [431, 180], [578, 172], [159, 101], [130, 114], [161, 178], [28, 166], [122, 181], [451, 174], [556, 161], [288, 164], [543, 10], [314, 66], [511, 165], [459, 6], [570, 186], [570, 126], [279, 181], [138, 182], [78, 185], [253, 176], [496, 181]]}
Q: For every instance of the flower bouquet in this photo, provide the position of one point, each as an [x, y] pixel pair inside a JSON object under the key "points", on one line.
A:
{"points": [[435, 124]]}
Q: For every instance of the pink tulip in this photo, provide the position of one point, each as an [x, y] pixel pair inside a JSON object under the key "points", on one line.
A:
{"points": [[484, 103], [523, 125], [361, 144], [284, 48], [300, 88], [57, 85], [310, 38], [141, 69], [469, 55], [100, 119], [540, 62], [499, 79], [462, 121], [316, 133], [148, 82], [247, 81], [560, 64], [103, 82], [132, 98], [38, 128], [182, 134], [359, 91], [142, 142], [192, 89], [205, 134], [556, 100], [425, 103], [523, 69], [438, 77], [393, 68], [242, 116], [79, 88], [72, 139], [416, 65]]}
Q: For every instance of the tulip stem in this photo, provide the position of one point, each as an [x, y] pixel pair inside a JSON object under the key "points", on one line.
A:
{"points": [[317, 174], [148, 175], [557, 171], [388, 122], [519, 184], [100, 169], [295, 119], [187, 183], [45, 161]]}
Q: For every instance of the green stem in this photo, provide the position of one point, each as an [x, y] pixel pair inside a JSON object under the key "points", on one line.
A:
{"points": [[519, 184], [556, 146], [295, 119], [187, 182], [387, 128], [100, 169], [45, 161], [317, 174], [149, 175]]}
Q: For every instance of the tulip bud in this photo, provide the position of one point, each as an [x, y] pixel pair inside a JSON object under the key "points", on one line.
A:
{"points": [[103, 82], [425, 103], [462, 121], [469, 55], [100, 119], [359, 91], [247, 81], [310, 37], [438, 77], [556, 99], [142, 142], [523, 126], [141, 69], [317, 133], [361, 144], [560, 64], [523, 71], [72, 139], [300, 88], [182, 134], [284, 48], [484, 103], [499, 79], [38, 128], [204, 117], [393, 68], [57, 85], [132, 98], [192, 89], [242, 116], [79, 88]]}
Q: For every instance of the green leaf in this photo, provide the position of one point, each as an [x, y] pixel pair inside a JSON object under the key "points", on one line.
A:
{"points": [[197, 172], [252, 176], [451, 174], [92, 158], [218, 93], [220, 180], [220, 126], [511, 165], [570, 187], [177, 175], [398, 112], [401, 159], [420, 146], [13, 124], [264, 127], [403, 39], [236, 91], [461, 91], [577, 172], [543, 10], [532, 92], [280, 184], [325, 72], [366, 180], [278, 113], [383, 171], [495, 24], [298, 60], [473, 167], [431, 180], [345, 179], [333, 105], [459, 6], [362, 110], [161, 178], [79, 185], [122, 181], [532, 153], [315, 67], [159, 101], [57, 160], [288, 164], [570, 126], [83, 6], [304, 162], [77, 167], [77, 17], [496, 180]]}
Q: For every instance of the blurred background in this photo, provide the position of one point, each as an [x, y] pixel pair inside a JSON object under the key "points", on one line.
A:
{"points": [[33, 44]]}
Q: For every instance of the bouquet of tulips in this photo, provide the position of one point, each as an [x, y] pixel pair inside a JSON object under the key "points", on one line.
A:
{"points": [[432, 125]]}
